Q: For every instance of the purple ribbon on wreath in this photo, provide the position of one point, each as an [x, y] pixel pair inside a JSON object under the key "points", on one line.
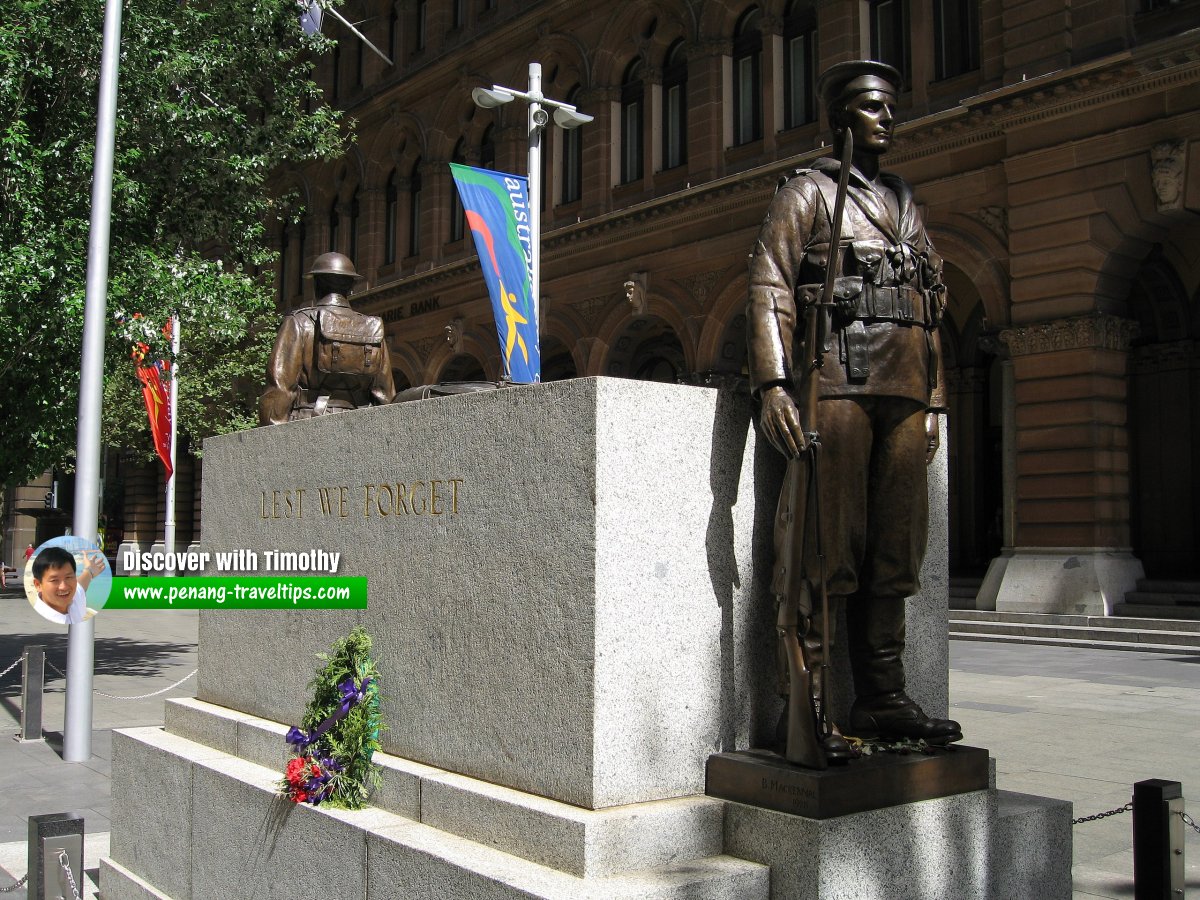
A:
{"points": [[351, 697]]}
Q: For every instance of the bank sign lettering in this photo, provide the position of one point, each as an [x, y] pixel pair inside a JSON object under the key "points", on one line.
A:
{"points": [[497, 211]]}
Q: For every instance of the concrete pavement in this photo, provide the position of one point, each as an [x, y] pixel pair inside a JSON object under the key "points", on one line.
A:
{"points": [[1076, 724]]}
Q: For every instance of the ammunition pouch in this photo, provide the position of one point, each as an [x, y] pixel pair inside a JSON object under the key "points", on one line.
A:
{"points": [[856, 300]]}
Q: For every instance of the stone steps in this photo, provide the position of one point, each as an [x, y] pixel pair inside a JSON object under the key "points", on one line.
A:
{"points": [[1102, 632], [196, 816], [1162, 598], [428, 826]]}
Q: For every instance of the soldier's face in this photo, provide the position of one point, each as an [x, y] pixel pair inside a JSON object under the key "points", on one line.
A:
{"points": [[870, 116]]}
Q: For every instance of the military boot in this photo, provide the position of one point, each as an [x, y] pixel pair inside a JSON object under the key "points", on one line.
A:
{"points": [[882, 709]]}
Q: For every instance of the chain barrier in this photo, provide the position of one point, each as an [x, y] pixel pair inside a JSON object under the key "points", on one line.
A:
{"points": [[1189, 821], [16, 662], [1104, 815], [13, 887], [169, 687], [65, 862]]}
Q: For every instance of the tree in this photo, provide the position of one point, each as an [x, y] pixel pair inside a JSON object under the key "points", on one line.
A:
{"points": [[213, 97]]}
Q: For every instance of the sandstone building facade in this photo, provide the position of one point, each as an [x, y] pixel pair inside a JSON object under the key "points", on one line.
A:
{"points": [[1055, 147]]}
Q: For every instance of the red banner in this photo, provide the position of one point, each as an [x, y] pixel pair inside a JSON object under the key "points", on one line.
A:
{"points": [[158, 408]]}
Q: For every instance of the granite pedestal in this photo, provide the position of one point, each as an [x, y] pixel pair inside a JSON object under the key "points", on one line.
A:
{"points": [[567, 591]]}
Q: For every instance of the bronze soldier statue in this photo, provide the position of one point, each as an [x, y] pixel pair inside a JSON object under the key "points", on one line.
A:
{"points": [[327, 357], [876, 387]]}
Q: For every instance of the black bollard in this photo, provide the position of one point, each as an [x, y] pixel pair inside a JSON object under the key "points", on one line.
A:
{"points": [[33, 683], [1158, 840]]}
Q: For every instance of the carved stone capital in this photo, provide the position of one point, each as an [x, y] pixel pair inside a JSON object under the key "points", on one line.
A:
{"points": [[991, 343], [1174, 356], [996, 220], [1096, 332]]}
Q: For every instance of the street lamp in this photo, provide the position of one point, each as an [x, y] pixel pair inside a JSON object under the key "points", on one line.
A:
{"points": [[565, 116]]}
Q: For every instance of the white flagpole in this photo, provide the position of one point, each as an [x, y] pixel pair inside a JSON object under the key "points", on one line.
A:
{"points": [[169, 526], [77, 717]]}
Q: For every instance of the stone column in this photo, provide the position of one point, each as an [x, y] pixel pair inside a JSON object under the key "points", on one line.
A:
{"points": [[1072, 511], [705, 108]]}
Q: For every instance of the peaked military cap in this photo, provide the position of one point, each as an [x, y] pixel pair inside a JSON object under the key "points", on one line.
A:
{"points": [[841, 81]]}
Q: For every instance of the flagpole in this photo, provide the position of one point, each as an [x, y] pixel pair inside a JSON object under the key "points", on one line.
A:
{"points": [[169, 513], [565, 116], [77, 718], [536, 120]]}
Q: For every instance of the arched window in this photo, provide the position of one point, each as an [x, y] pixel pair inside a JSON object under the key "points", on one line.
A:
{"points": [[674, 108], [391, 208], [414, 210], [457, 216], [799, 64], [335, 223], [632, 92], [747, 77], [354, 222], [955, 37], [393, 34], [301, 250], [889, 33], [422, 15], [572, 155]]}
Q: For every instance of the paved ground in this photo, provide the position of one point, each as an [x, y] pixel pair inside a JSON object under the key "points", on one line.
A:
{"points": [[136, 653], [1081, 725]]}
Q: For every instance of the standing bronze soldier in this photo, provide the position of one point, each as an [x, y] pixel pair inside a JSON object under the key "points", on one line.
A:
{"points": [[880, 391], [328, 357]]}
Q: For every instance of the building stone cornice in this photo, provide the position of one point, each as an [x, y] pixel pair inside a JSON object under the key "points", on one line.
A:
{"points": [[1095, 332], [1156, 67]]}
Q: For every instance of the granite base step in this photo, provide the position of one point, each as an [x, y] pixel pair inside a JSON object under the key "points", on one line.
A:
{"points": [[191, 822], [196, 816]]}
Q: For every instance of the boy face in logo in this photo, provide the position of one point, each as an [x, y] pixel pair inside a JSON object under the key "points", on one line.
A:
{"points": [[57, 586]]}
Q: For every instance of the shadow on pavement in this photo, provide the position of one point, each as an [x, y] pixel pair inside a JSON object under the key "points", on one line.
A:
{"points": [[113, 655]]}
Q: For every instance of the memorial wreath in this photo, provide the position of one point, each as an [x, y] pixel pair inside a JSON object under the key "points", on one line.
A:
{"points": [[333, 746]]}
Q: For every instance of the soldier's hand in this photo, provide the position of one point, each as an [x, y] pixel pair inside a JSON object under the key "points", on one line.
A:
{"points": [[781, 422], [933, 437]]}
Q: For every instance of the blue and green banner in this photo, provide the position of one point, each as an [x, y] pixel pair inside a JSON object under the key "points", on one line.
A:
{"points": [[497, 211]]}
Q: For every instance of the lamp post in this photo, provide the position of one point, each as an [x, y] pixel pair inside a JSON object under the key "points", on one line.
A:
{"points": [[565, 116]]}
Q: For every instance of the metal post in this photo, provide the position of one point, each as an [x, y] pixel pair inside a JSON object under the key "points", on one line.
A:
{"points": [[33, 685], [77, 725], [537, 120], [1158, 840], [172, 404]]}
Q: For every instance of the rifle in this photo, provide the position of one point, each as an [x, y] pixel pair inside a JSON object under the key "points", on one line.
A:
{"points": [[807, 717]]}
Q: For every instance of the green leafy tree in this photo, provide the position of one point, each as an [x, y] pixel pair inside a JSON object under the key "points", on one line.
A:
{"points": [[213, 98]]}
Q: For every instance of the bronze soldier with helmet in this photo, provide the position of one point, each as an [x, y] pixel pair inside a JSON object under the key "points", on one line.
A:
{"points": [[328, 357]]}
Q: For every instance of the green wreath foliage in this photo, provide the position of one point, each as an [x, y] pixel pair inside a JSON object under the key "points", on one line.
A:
{"points": [[343, 752]]}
